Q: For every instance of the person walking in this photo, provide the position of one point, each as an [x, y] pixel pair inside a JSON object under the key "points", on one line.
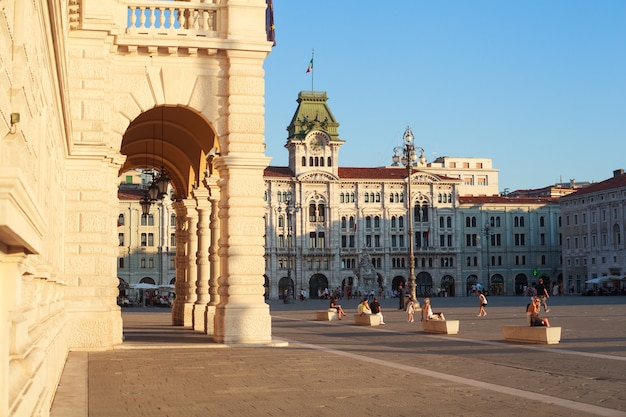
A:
{"points": [[482, 301], [542, 292], [377, 309]]}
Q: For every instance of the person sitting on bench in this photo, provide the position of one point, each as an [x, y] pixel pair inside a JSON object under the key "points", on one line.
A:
{"points": [[427, 312], [532, 312]]}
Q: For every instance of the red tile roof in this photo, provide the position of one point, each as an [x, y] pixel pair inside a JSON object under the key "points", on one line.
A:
{"points": [[378, 173], [613, 182], [130, 194], [495, 199]]}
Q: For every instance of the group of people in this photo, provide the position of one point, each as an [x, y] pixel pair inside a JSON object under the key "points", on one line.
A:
{"points": [[532, 310]]}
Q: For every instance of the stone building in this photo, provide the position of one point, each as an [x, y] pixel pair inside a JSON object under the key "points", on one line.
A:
{"points": [[91, 89], [594, 224], [328, 226]]}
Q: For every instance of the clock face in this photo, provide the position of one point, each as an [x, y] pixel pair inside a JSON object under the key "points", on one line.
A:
{"points": [[317, 141]]}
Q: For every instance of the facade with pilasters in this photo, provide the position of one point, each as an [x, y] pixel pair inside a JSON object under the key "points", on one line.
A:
{"points": [[324, 223]]}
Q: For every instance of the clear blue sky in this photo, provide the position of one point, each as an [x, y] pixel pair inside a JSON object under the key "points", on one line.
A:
{"points": [[538, 86]]}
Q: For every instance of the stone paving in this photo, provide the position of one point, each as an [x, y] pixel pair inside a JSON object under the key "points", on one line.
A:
{"points": [[339, 369]]}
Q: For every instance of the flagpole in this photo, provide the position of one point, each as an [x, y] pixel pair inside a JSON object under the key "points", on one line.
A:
{"points": [[313, 68]]}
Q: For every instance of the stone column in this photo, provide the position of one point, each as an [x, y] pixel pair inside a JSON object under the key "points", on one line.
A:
{"points": [[181, 286], [192, 269], [214, 264], [202, 259]]}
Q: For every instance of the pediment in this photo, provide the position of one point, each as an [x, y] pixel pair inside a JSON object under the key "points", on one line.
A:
{"points": [[317, 177]]}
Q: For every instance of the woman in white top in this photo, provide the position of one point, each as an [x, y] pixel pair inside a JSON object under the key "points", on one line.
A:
{"points": [[427, 312]]}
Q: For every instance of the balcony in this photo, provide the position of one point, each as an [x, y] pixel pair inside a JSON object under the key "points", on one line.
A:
{"points": [[157, 26]]}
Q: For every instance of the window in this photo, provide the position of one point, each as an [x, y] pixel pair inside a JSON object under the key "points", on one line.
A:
{"points": [[120, 220], [120, 263], [150, 263], [173, 220], [142, 263], [172, 239], [150, 239], [144, 239], [120, 238]]}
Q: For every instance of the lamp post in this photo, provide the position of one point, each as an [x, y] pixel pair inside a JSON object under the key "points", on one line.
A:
{"points": [[406, 154], [290, 209], [487, 232]]}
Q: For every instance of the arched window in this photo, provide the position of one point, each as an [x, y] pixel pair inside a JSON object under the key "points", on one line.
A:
{"points": [[310, 161], [467, 222], [352, 197], [441, 221], [330, 161], [366, 198], [322, 162], [281, 221], [341, 198], [401, 222], [521, 221], [173, 219], [368, 222], [304, 161], [343, 222], [473, 221], [120, 220], [312, 212], [393, 222], [449, 221], [376, 222]]}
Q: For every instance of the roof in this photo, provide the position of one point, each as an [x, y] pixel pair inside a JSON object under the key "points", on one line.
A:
{"points": [[617, 181], [495, 199], [129, 194], [377, 173]]}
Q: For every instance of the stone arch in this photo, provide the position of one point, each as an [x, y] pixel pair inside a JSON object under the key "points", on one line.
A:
{"points": [[448, 286], [176, 138], [423, 284], [521, 284], [315, 282]]}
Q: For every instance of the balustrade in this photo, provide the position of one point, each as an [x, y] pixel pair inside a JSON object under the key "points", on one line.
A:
{"points": [[173, 18]]}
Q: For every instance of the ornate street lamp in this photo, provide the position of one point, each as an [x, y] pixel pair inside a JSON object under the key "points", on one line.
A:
{"points": [[488, 232], [407, 155], [290, 209]]}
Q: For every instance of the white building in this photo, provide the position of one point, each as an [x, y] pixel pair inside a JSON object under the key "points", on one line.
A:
{"points": [[327, 224], [594, 225]]}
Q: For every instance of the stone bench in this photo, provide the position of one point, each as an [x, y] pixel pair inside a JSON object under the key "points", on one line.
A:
{"points": [[535, 334], [441, 326], [367, 320], [326, 315]]}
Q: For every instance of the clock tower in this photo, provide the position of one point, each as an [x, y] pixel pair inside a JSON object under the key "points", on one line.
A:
{"points": [[313, 142]]}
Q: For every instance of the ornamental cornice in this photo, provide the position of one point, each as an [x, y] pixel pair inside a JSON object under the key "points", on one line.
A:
{"points": [[319, 177]]}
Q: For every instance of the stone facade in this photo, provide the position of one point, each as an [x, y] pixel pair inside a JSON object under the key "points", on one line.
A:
{"points": [[90, 90], [594, 226], [337, 227]]}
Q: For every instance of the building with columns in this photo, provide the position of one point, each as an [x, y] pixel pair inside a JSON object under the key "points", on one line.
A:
{"points": [[328, 226], [91, 89], [594, 225]]}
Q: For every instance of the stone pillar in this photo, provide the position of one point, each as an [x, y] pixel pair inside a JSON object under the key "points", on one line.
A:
{"points": [[181, 286], [192, 269], [94, 318], [242, 315], [202, 259], [214, 258]]}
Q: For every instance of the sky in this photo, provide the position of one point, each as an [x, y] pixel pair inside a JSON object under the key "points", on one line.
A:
{"points": [[538, 86]]}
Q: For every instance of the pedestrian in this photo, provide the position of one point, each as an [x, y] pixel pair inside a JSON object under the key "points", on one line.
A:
{"points": [[542, 292], [400, 297], [410, 310], [532, 311], [427, 312], [482, 301], [377, 309]]}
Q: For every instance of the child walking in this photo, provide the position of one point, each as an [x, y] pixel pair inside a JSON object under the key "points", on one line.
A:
{"points": [[482, 300]]}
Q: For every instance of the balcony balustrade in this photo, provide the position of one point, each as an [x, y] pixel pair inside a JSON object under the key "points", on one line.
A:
{"points": [[173, 18]]}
